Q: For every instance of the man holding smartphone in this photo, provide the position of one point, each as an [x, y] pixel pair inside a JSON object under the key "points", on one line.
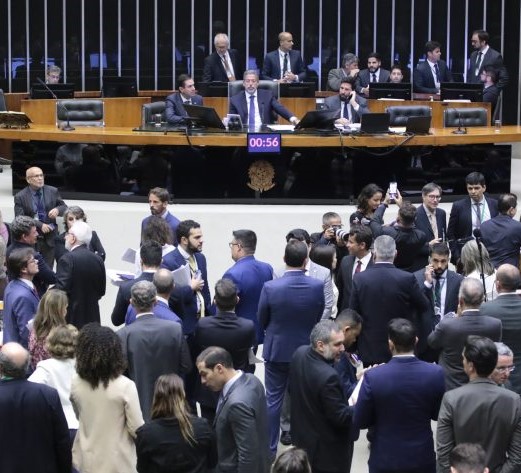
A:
{"points": [[349, 104]]}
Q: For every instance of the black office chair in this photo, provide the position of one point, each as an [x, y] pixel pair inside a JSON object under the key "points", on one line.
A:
{"points": [[80, 112], [465, 117], [148, 111], [399, 114], [236, 86], [3, 107]]}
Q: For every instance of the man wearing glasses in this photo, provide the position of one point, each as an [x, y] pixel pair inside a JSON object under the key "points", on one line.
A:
{"points": [[505, 365], [53, 74]]}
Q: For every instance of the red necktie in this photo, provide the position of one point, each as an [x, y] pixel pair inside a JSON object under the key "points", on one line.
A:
{"points": [[358, 266]]}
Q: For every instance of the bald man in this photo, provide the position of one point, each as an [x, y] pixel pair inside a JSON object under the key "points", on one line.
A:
{"points": [[284, 64], [44, 204], [35, 431]]}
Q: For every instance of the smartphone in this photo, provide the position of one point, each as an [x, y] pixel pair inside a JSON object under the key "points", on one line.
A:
{"points": [[393, 188]]}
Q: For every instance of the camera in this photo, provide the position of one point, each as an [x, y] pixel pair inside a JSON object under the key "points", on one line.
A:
{"points": [[341, 233]]}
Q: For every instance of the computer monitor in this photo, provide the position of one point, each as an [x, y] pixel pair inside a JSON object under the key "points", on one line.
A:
{"points": [[61, 91], [390, 90], [461, 91], [213, 89], [318, 120], [297, 89], [119, 87], [204, 116]]}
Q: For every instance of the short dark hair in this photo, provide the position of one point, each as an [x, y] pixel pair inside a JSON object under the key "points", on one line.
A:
{"points": [[431, 46], [323, 255], [492, 72], [161, 193], [247, 239], [213, 356], [468, 458], [151, 253], [482, 352], [403, 334], [375, 55], [18, 260], [348, 317], [348, 80], [475, 179], [407, 213], [225, 295], [362, 234], [441, 248], [21, 226], [298, 234], [293, 460], [328, 216], [506, 202], [181, 79], [396, 66], [482, 35], [431, 186], [183, 230], [295, 253]]}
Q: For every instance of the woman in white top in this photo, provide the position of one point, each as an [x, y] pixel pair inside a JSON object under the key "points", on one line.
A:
{"points": [[325, 255], [471, 261]]}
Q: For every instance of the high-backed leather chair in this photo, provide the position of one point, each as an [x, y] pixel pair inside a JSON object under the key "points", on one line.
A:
{"points": [[475, 116], [80, 112], [236, 86], [399, 114], [148, 110], [3, 107]]}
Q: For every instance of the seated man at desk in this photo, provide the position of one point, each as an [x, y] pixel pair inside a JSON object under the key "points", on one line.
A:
{"points": [[257, 106], [53, 74], [396, 75], [350, 105], [349, 69], [429, 74], [174, 105], [373, 73]]}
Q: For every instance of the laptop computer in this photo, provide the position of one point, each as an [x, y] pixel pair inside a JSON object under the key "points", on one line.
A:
{"points": [[374, 123], [418, 125], [318, 120]]}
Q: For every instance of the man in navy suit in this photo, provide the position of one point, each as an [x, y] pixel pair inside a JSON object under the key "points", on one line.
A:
{"points": [[249, 275], [373, 73], [349, 104], [429, 74], [35, 436], [44, 204], [174, 105], [397, 401], [158, 198], [224, 64], [289, 307], [469, 213], [20, 297], [381, 293], [265, 106], [284, 64], [483, 55], [502, 234]]}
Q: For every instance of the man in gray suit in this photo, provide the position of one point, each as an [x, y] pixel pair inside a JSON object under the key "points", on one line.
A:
{"points": [[507, 308], [481, 412], [241, 419], [350, 105], [450, 334], [152, 346]]}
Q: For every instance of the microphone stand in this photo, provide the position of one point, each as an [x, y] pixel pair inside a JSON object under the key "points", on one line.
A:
{"points": [[460, 130], [66, 127], [477, 236]]}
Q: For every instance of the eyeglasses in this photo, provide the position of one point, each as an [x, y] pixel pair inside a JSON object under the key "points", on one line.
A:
{"points": [[232, 244], [434, 197], [505, 369], [35, 176]]}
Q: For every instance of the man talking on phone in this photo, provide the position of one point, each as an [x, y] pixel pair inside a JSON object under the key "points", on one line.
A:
{"points": [[349, 104]]}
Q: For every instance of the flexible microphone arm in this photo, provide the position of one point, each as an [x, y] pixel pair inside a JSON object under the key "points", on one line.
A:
{"points": [[68, 126], [477, 236], [461, 130]]}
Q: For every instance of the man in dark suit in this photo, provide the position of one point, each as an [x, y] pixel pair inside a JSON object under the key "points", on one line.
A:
{"points": [[507, 307], [320, 416], [429, 74], [331, 223], [158, 198], [265, 106], [431, 220], [481, 412], [469, 213], [483, 55], [490, 89], [502, 234], [20, 297], [35, 436], [249, 275], [241, 419], [224, 64], [359, 259], [44, 204], [175, 112], [404, 393], [381, 293], [284, 64], [348, 103], [226, 330], [289, 307], [450, 334], [151, 346], [81, 274], [373, 73]]}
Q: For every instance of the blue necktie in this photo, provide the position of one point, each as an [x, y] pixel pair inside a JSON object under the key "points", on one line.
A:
{"points": [[437, 72], [345, 113], [40, 208], [251, 115]]}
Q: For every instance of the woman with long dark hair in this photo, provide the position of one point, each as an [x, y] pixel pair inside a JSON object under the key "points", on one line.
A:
{"points": [[369, 206]]}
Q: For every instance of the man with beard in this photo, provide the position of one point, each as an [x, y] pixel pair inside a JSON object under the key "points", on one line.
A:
{"points": [[350, 106], [373, 73], [158, 201]]}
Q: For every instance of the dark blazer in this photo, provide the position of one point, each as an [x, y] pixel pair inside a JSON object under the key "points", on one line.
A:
{"points": [[344, 281], [249, 275], [422, 223], [173, 223], [502, 238], [153, 347], [423, 81], [241, 428], [95, 246], [123, 297], [175, 112], [491, 58], [269, 107], [161, 311], [35, 436], [363, 79], [334, 103], [214, 71], [271, 67], [450, 335], [405, 392], [491, 95], [183, 300], [460, 224], [81, 274], [380, 293], [289, 307], [320, 415], [161, 447], [507, 308]]}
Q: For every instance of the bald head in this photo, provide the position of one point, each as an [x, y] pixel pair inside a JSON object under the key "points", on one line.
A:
{"points": [[14, 360], [164, 282], [508, 278], [470, 293]]}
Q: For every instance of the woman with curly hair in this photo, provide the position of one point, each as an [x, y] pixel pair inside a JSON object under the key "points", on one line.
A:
{"points": [[370, 206], [174, 439], [106, 404], [51, 312], [471, 262]]}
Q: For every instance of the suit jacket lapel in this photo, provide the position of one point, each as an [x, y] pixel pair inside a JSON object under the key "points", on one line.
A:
{"points": [[239, 381]]}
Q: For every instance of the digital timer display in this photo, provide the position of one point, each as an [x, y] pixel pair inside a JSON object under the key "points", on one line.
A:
{"points": [[263, 142]]}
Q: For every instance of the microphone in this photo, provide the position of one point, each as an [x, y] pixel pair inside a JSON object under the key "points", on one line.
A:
{"points": [[68, 126], [461, 130]]}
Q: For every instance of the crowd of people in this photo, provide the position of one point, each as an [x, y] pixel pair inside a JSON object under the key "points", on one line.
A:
{"points": [[366, 328]]}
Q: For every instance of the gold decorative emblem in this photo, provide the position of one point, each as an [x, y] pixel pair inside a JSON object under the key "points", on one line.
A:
{"points": [[261, 174]]}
